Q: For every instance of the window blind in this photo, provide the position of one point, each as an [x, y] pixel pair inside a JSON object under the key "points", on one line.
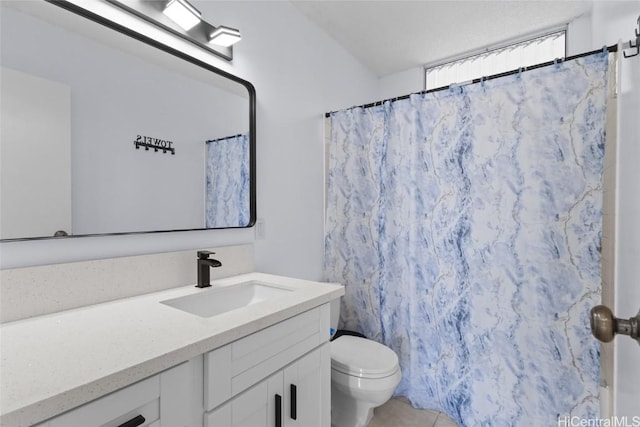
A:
{"points": [[522, 54]]}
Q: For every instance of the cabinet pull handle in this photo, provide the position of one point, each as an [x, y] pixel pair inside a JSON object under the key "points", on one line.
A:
{"points": [[133, 422], [294, 402], [278, 410]]}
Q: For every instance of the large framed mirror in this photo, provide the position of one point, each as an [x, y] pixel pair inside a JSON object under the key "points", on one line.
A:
{"points": [[107, 131]]}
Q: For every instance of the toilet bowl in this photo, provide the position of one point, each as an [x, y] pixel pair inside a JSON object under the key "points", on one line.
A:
{"points": [[364, 375]]}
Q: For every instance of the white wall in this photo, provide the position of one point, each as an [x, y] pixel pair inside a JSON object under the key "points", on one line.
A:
{"points": [[299, 73], [613, 21]]}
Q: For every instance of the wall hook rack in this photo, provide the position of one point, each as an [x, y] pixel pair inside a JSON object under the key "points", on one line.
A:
{"points": [[634, 45], [155, 147], [156, 143]]}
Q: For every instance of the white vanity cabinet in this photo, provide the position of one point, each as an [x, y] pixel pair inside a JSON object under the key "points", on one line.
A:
{"points": [[235, 362], [157, 401], [277, 377]]}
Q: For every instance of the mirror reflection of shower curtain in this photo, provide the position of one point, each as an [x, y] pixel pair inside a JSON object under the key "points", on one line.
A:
{"points": [[227, 188], [466, 227]]}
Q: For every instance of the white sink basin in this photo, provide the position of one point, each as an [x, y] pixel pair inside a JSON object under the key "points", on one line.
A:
{"points": [[221, 300]]}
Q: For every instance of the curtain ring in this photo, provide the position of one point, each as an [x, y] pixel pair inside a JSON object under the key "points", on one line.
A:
{"points": [[456, 88]]}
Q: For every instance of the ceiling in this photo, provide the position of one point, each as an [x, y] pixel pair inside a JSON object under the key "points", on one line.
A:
{"points": [[393, 35]]}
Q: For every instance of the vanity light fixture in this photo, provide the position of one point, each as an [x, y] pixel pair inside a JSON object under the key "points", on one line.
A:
{"points": [[182, 13], [225, 36], [182, 19]]}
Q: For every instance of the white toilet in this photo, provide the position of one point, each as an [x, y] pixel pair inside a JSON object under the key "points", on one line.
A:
{"points": [[364, 375]]}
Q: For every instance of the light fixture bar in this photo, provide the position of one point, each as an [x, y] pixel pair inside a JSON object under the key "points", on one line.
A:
{"points": [[225, 36], [153, 12], [182, 13]]}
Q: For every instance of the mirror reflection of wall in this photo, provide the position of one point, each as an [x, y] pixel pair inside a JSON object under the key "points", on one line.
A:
{"points": [[119, 91], [35, 150]]}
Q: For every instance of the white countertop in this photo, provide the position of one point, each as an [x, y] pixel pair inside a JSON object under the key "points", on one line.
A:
{"points": [[50, 364]]}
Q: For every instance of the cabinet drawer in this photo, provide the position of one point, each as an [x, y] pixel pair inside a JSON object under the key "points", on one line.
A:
{"points": [[162, 396], [235, 367], [142, 398]]}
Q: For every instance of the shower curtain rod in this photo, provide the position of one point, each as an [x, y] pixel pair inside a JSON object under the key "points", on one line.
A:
{"points": [[225, 137], [612, 48]]}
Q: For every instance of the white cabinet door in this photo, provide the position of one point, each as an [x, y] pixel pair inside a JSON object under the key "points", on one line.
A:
{"points": [[250, 409], [175, 396], [306, 388], [275, 400], [297, 396]]}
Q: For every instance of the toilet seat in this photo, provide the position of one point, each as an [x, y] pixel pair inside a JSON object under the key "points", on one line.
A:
{"points": [[361, 357]]}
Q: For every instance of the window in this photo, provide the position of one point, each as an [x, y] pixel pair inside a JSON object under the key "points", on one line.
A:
{"points": [[497, 60]]}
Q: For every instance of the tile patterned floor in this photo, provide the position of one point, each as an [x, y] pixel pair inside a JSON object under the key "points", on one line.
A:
{"points": [[399, 413]]}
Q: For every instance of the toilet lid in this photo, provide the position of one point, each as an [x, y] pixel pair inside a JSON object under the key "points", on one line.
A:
{"points": [[362, 357]]}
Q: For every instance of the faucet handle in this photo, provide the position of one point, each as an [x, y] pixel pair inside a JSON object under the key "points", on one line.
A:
{"points": [[204, 254]]}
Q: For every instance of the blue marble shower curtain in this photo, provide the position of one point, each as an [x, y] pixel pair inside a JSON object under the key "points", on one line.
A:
{"points": [[466, 225], [227, 187]]}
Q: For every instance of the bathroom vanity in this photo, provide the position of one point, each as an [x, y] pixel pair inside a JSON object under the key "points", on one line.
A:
{"points": [[264, 361]]}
